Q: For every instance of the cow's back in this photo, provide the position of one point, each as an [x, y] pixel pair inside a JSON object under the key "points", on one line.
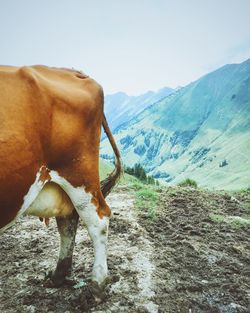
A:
{"points": [[44, 115]]}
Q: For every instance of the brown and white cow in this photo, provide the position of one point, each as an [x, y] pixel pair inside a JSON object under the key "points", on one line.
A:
{"points": [[50, 126]]}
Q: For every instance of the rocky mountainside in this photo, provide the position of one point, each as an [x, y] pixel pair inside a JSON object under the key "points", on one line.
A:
{"points": [[120, 108], [202, 131]]}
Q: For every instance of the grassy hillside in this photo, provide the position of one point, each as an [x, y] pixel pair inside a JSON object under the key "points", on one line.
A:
{"points": [[106, 168], [201, 132]]}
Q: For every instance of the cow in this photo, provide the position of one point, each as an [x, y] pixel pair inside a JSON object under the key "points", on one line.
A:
{"points": [[50, 126]]}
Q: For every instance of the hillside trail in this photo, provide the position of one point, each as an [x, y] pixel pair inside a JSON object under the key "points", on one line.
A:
{"points": [[132, 250], [29, 250], [193, 258]]}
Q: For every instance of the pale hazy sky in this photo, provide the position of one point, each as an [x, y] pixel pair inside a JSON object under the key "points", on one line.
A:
{"points": [[127, 45]]}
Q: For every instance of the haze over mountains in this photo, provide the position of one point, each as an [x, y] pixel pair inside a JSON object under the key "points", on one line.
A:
{"points": [[120, 108], [201, 131]]}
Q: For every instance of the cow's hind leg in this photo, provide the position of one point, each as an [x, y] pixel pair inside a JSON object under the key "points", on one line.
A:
{"points": [[95, 213], [67, 229], [99, 236], [98, 230]]}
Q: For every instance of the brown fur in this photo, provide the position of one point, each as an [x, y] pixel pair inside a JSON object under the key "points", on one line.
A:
{"points": [[50, 117]]}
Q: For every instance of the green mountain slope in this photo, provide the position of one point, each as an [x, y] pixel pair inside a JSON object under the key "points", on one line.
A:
{"points": [[120, 108], [202, 131]]}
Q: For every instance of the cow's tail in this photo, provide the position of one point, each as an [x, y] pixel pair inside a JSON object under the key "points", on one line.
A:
{"points": [[108, 183]]}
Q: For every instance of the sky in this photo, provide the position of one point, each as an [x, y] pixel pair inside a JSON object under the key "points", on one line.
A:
{"points": [[127, 45]]}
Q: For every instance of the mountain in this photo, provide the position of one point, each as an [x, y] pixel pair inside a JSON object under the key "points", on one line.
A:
{"points": [[202, 131], [120, 108]]}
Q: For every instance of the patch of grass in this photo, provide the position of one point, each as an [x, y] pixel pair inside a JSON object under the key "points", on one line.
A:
{"points": [[239, 222], [245, 190], [147, 199], [234, 221], [147, 195], [217, 217], [136, 185], [188, 183]]}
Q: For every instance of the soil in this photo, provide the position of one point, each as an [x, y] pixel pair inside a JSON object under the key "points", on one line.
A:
{"points": [[183, 261]]}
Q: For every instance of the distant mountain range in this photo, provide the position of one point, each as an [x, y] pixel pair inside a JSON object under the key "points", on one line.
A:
{"points": [[201, 131], [120, 108]]}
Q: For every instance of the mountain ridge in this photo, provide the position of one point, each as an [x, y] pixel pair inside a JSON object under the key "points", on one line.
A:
{"points": [[189, 133], [120, 107]]}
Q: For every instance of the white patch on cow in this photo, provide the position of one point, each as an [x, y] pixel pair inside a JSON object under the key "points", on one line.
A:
{"points": [[97, 227], [33, 192]]}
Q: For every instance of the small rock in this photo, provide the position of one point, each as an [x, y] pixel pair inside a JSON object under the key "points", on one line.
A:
{"points": [[30, 309], [142, 309], [235, 200]]}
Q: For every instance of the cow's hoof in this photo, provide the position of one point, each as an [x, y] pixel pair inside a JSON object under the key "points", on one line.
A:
{"points": [[92, 294], [98, 291], [49, 283], [53, 281]]}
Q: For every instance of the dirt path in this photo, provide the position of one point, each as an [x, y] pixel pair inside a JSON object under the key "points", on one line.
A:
{"points": [[29, 250], [133, 247], [194, 258]]}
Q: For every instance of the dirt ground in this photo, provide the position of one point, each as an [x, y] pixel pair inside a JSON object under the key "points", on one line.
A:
{"points": [[187, 260]]}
